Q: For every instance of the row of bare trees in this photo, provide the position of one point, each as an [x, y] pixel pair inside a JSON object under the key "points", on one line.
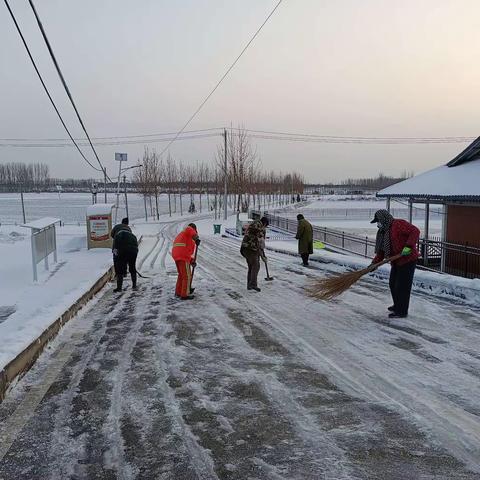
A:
{"points": [[15, 177], [247, 184]]}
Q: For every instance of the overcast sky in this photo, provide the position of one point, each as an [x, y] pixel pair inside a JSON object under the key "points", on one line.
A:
{"points": [[330, 67]]}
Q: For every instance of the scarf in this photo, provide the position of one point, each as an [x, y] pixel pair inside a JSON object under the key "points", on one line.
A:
{"points": [[382, 243]]}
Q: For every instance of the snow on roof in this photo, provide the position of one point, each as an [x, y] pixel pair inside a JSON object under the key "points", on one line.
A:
{"points": [[41, 223], [472, 152], [459, 182], [100, 209]]}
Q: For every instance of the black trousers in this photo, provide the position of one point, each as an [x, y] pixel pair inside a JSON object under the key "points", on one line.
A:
{"points": [[253, 262], [120, 263], [305, 258], [401, 279]]}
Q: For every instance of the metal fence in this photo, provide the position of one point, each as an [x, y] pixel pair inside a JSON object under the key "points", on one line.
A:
{"points": [[455, 259], [316, 214]]}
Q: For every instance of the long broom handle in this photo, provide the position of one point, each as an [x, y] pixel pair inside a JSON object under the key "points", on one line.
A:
{"points": [[195, 262], [374, 266], [265, 262]]}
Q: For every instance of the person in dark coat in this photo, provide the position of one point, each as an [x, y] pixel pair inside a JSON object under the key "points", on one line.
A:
{"points": [[117, 228], [397, 236], [125, 251], [305, 238], [120, 226], [252, 249]]}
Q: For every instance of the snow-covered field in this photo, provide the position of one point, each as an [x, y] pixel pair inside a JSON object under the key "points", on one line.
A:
{"points": [[339, 212], [246, 385], [71, 207]]}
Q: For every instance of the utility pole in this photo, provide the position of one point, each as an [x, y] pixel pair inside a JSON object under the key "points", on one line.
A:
{"points": [[125, 188], [225, 214], [23, 204], [105, 182]]}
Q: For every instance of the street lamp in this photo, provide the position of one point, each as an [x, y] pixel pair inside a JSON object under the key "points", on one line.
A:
{"points": [[120, 171]]}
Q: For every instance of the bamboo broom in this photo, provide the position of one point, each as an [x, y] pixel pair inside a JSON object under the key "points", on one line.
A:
{"points": [[331, 287]]}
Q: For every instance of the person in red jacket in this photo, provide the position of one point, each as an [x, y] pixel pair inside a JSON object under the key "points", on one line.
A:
{"points": [[183, 253], [397, 236]]}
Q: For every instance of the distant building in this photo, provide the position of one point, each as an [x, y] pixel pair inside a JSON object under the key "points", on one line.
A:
{"points": [[456, 186]]}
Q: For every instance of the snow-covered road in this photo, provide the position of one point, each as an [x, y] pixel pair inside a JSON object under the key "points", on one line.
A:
{"points": [[246, 385]]}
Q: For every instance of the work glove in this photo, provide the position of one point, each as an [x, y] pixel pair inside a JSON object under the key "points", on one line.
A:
{"points": [[197, 242], [193, 264], [115, 252], [406, 251]]}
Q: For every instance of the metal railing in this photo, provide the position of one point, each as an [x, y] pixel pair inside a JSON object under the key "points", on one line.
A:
{"points": [[452, 258], [318, 214]]}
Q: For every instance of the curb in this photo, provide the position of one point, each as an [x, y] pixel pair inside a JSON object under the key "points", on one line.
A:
{"points": [[17, 367]]}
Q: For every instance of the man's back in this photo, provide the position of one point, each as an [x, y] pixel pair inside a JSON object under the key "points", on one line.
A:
{"points": [[125, 241]]}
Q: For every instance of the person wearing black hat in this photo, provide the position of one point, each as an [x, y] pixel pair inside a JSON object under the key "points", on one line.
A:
{"points": [[305, 238], [396, 236], [120, 226]]}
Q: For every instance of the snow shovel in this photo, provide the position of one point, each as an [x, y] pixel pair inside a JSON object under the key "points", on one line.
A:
{"points": [[268, 278]]}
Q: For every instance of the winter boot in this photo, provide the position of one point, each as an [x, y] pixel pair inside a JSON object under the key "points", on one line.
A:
{"points": [[188, 297], [119, 283], [391, 308], [397, 315]]}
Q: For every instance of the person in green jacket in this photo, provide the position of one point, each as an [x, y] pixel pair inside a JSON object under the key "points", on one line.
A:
{"points": [[252, 249], [305, 238]]}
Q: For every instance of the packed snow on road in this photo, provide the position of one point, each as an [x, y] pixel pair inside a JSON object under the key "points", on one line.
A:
{"points": [[241, 384]]}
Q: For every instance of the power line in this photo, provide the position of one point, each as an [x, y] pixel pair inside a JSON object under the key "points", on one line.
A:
{"points": [[261, 134], [218, 129], [102, 144], [222, 78], [297, 134], [364, 141], [40, 26], [44, 86]]}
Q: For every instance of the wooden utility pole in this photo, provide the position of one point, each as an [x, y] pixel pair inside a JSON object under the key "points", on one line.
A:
{"points": [[225, 192], [23, 204], [105, 182]]}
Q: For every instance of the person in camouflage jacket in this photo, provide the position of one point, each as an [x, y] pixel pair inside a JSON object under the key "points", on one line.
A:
{"points": [[252, 249]]}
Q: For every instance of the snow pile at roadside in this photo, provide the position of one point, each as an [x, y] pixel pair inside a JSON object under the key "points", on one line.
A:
{"points": [[438, 284]]}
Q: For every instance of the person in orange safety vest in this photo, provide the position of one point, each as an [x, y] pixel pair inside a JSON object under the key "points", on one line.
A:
{"points": [[183, 253]]}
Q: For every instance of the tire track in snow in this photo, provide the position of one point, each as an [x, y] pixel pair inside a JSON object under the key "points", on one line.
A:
{"points": [[115, 455]]}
